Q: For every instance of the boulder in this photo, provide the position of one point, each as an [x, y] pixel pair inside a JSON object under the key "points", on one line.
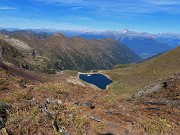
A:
{"points": [[2, 123], [4, 109]]}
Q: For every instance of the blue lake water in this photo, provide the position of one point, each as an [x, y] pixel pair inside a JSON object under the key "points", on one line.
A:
{"points": [[99, 80]]}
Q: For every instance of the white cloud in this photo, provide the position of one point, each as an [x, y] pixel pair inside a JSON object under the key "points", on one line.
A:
{"points": [[8, 8], [62, 1], [119, 7]]}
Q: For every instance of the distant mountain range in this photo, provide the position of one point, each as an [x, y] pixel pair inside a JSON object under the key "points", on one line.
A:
{"points": [[58, 52], [144, 44], [141, 45]]}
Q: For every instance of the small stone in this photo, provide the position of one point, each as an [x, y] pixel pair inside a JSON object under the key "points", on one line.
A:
{"points": [[49, 101], [96, 118], [59, 102], [70, 115], [90, 105], [165, 84], [108, 133], [109, 111], [109, 123], [78, 103]]}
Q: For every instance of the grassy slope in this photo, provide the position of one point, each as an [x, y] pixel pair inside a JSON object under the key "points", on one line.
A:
{"points": [[27, 97], [128, 80]]}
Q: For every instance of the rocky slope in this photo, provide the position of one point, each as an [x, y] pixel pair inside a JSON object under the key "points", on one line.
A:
{"points": [[60, 107], [16, 52], [143, 98]]}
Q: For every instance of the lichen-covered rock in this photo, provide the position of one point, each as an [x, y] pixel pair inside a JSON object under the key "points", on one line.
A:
{"points": [[4, 108], [2, 123]]}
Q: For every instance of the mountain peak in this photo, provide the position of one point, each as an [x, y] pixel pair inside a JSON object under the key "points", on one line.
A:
{"points": [[58, 35], [124, 31]]}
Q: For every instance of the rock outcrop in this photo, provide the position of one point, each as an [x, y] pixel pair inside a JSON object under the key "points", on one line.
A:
{"points": [[4, 109]]}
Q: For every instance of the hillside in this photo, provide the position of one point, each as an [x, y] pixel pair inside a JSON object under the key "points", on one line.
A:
{"points": [[128, 79], [15, 52], [58, 105], [76, 53]]}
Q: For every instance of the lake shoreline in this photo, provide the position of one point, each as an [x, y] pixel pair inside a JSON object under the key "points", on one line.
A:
{"points": [[100, 81]]}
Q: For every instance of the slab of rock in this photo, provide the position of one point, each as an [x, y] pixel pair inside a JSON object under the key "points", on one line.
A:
{"points": [[149, 90]]}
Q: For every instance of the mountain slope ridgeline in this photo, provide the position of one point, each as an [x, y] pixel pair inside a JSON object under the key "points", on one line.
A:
{"points": [[76, 53]]}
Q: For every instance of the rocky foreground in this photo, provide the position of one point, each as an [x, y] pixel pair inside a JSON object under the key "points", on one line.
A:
{"points": [[60, 107]]}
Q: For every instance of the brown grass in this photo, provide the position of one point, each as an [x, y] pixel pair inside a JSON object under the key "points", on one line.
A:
{"points": [[131, 78]]}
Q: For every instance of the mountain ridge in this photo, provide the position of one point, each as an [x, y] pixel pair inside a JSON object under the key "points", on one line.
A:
{"points": [[75, 52]]}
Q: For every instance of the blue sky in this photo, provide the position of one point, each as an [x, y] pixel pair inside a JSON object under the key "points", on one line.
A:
{"points": [[151, 16]]}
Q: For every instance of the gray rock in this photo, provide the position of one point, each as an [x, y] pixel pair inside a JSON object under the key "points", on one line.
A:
{"points": [[90, 105], [59, 101], [108, 133], [2, 123], [96, 118], [46, 112], [3, 113], [5, 106], [109, 123], [109, 111], [4, 109], [148, 90], [49, 101]]}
